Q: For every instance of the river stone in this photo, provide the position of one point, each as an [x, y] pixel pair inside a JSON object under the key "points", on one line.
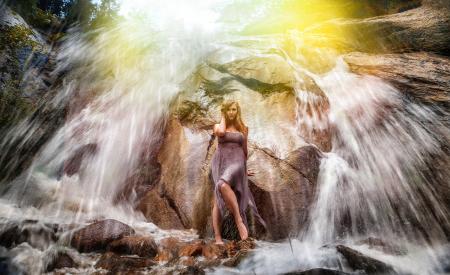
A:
{"points": [[359, 261], [317, 271], [98, 235], [61, 260], [34, 233], [143, 246], [117, 263]]}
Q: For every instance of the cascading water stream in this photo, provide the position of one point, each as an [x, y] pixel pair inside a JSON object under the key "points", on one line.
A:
{"points": [[130, 78], [374, 183]]}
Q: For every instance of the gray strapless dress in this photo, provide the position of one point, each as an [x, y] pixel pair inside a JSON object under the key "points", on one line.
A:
{"points": [[230, 164]]}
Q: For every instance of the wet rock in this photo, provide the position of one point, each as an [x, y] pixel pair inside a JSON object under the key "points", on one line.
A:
{"points": [[283, 196], [191, 270], [194, 248], [98, 235], [238, 251], [61, 260], [388, 248], [73, 164], [117, 263], [421, 29], [213, 251], [267, 74], [316, 271], [306, 160], [187, 260], [172, 196], [236, 259], [423, 77], [210, 263], [160, 209], [7, 266], [193, 115], [143, 246], [359, 261], [34, 233], [145, 176], [168, 249]]}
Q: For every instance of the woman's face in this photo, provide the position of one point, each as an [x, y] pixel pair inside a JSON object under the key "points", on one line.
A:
{"points": [[232, 112]]}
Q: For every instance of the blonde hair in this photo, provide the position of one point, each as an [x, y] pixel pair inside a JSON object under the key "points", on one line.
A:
{"points": [[239, 124]]}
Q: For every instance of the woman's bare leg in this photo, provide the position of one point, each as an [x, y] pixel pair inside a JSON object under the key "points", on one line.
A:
{"points": [[230, 200], [216, 223]]}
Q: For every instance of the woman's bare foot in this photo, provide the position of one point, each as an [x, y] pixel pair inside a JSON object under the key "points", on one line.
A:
{"points": [[219, 240], [243, 233]]}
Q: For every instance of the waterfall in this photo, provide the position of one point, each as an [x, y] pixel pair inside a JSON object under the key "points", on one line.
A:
{"points": [[118, 90], [376, 181]]}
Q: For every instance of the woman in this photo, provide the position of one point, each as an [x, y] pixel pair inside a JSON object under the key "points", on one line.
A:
{"points": [[229, 172]]}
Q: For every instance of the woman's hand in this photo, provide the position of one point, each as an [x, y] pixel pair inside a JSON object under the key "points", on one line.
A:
{"points": [[219, 129], [250, 172]]}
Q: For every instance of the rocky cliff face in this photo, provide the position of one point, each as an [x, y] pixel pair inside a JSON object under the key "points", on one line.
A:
{"points": [[425, 28], [283, 185], [28, 83]]}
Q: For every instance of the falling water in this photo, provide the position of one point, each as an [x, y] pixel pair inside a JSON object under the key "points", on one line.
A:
{"points": [[129, 79], [376, 182]]}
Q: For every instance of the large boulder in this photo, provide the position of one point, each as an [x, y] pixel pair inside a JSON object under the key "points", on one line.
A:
{"points": [[122, 264], [283, 195], [33, 232], [359, 261], [425, 28], [96, 236], [424, 77]]}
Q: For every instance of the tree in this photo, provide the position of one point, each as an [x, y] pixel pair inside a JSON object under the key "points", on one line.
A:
{"points": [[79, 11], [105, 13], [24, 7], [54, 6]]}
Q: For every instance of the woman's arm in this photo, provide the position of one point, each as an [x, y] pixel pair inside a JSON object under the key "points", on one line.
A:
{"points": [[245, 143], [219, 129]]}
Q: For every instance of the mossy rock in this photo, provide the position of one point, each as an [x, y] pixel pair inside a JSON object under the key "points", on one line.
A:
{"points": [[16, 37], [13, 107]]}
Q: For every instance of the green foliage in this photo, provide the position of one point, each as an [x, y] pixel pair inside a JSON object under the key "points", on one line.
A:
{"points": [[105, 13], [24, 7], [79, 11], [16, 37], [45, 14], [43, 19], [55, 7]]}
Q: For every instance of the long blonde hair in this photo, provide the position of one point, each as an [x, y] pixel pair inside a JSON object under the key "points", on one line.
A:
{"points": [[239, 124]]}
